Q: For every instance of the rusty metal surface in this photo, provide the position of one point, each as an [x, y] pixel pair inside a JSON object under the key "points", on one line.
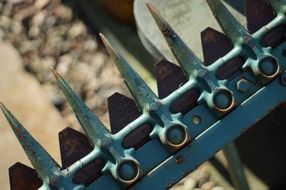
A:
{"points": [[23, 178], [122, 110], [73, 146], [169, 77], [258, 14], [214, 44]]}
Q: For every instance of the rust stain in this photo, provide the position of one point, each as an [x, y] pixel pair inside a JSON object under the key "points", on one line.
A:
{"points": [[180, 159]]}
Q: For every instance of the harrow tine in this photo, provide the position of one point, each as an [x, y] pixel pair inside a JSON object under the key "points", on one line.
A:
{"points": [[215, 45], [169, 77], [258, 14], [23, 177], [73, 146], [92, 126], [122, 110], [189, 62], [43, 163], [143, 95], [278, 6], [231, 27]]}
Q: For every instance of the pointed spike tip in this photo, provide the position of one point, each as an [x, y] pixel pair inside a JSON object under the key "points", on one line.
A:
{"points": [[4, 109], [163, 25], [107, 44], [56, 74], [150, 6], [2, 106]]}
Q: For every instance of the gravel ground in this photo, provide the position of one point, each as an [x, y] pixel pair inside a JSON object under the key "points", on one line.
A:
{"points": [[46, 33]]}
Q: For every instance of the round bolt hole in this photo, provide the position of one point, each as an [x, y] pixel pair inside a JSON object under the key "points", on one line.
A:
{"points": [[176, 135], [128, 171], [268, 66], [223, 99], [197, 120]]}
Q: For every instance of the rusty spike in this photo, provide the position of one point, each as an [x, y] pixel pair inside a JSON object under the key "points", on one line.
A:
{"points": [[189, 62], [258, 14], [73, 146], [43, 163], [92, 126], [169, 77], [143, 95], [122, 110], [215, 45], [231, 27], [23, 177]]}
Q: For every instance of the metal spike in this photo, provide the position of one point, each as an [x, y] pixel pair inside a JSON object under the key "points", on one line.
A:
{"points": [[92, 126], [142, 93], [169, 77], [43, 163], [122, 110], [189, 62], [231, 27], [214, 44], [258, 14], [23, 177], [73, 146]]}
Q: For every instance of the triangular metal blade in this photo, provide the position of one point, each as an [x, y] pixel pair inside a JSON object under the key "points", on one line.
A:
{"points": [[214, 44], [258, 14], [169, 77], [23, 177], [73, 146], [122, 110]]}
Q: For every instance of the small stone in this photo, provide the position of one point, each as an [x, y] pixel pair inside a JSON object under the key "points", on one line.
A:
{"points": [[5, 22], [28, 46], [90, 45], [189, 184], [217, 188], [39, 18], [49, 22], [34, 32], [203, 178], [64, 64], [16, 27], [63, 12], [39, 4], [76, 30], [208, 185]]}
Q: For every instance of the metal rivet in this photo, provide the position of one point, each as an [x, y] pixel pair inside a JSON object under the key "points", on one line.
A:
{"points": [[128, 171], [176, 135], [268, 66], [243, 85], [196, 119], [223, 99]]}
